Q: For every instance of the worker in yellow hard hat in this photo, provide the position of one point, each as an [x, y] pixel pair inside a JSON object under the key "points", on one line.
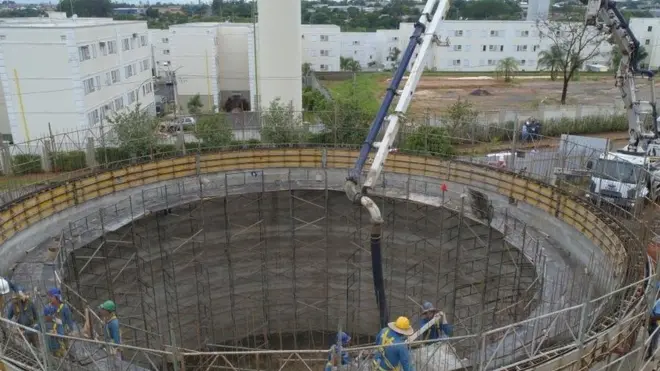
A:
{"points": [[393, 353]]}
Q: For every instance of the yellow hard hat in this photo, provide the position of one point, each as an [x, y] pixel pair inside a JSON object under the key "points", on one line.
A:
{"points": [[402, 326]]}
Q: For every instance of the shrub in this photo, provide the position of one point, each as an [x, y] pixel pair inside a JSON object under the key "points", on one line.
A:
{"points": [[68, 161], [26, 164], [112, 155], [431, 140]]}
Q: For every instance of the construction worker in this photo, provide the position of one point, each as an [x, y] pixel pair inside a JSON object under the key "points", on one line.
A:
{"points": [[111, 334], [440, 329], [63, 311], [337, 355], [22, 311], [653, 329], [393, 353], [56, 345]]}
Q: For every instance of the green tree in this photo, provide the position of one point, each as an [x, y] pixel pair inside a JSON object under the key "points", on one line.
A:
{"points": [[394, 56], [347, 118], [306, 68], [152, 13], [214, 130], [134, 131], [86, 8], [216, 7], [507, 67], [281, 124], [551, 60], [349, 64], [642, 55], [431, 140], [459, 116], [195, 105], [577, 42]]}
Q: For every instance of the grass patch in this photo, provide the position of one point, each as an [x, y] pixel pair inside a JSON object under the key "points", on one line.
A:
{"points": [[366, 87]]}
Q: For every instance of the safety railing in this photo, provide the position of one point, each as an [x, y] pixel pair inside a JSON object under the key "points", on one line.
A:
{"points": [[617, 243]]}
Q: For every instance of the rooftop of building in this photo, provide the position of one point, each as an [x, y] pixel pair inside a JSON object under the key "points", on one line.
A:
{"points": [[59, 20]]}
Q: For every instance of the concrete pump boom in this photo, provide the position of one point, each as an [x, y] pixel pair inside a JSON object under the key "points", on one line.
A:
{"points": [[422, 37], [604, 15]]}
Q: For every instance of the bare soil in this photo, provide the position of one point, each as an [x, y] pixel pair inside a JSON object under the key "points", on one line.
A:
{"points": [[435, 93]]}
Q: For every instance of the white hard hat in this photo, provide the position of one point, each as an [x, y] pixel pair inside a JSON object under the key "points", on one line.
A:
{"points": [[4, 286]]}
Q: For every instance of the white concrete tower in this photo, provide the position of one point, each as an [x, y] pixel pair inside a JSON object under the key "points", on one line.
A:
{"points": [[279, 52]]}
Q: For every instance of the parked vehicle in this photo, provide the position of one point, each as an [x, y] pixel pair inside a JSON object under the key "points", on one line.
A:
{"points": [[182, 123]]}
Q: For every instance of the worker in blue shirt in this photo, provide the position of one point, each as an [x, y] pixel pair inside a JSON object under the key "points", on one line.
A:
{"points": [[63, 312], [337, 355], [22, 311], [56, 345], [440, 329], [393, 353], [654, 323], [111, 333]]}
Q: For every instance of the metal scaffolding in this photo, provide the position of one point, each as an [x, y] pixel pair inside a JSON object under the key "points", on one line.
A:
{"points": [[260, 261]]}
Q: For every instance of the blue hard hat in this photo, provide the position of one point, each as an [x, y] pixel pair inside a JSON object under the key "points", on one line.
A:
{"points": [[54, 291], [343, 337], [49, 310], [427, 307]]}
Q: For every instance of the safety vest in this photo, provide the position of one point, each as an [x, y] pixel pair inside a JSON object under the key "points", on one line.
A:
{"points": [[385, 339]]}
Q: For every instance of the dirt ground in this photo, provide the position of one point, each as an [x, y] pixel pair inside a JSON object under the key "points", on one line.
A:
{"points": [[435, 93]]}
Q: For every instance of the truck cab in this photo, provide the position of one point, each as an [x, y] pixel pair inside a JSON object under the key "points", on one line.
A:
{"points": [[623, 179]]}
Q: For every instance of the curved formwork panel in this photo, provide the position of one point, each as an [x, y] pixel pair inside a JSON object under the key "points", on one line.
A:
{"points": [[27, 222]]}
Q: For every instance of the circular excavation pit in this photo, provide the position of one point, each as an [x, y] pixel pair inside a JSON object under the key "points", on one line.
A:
{"points": [[286, 269]]}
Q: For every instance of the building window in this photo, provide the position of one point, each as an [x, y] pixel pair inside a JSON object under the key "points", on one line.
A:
{"points": [[166, 51], [524, 33], [649, 28], [501, 48], [456, 62], [84, 53], [145, 65], [88, 85], [325, 53], [116, 77], [93, 117], [325, 38], [647, 42], [125, 44], [103, 48], [112, 47], [492, 48], [395, 38], [458, 33], [457, 48], [129, 71], [131, 97], [483, 48], [535, 48], [165, 40], [133, 42], [323, 67], [494, 33], [522, 62], [146, 89], [521, 48], [492, 62], [143, 40], [98, 82], [119, 103], [356, 43]]}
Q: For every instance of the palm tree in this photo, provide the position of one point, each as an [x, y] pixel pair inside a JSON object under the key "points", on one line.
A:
{"points": [[349, 64], [306, 68], [552, 60], [507, 67], [642, 54]]}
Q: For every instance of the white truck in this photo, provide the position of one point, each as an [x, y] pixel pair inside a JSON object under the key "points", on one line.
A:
{"points": [[624, 179]]}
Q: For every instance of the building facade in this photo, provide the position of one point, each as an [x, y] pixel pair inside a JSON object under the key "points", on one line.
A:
{"points": [[194, 55], [235, 60], [160, 51], [364, 47], [61, 74], [647, 31], [321, 46]]}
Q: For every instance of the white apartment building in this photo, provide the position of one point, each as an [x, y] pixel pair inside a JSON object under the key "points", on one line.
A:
{"points": [[364, 47], [194, 54], [321, 46], [236, 61], [71, 73], [647, 31], [160, 51]]}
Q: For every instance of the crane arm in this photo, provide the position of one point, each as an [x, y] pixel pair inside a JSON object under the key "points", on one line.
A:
{"points": [[606, 17], [423, 35]]}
